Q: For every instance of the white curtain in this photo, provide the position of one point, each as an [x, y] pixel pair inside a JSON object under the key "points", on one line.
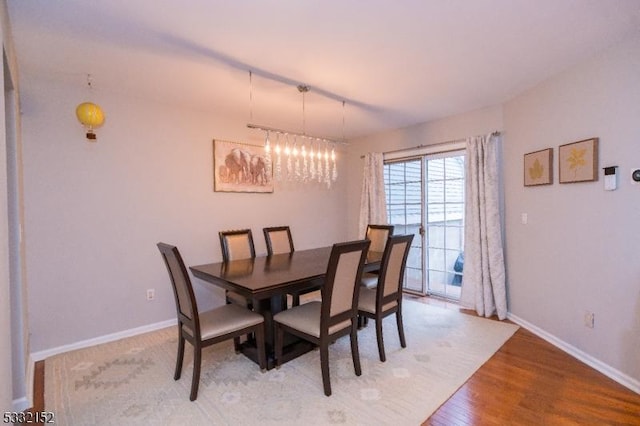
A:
{"points": [[483, 282], [373, 203]]}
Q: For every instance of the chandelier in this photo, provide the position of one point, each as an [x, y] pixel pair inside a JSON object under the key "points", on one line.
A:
{"points": [[299, 157]]}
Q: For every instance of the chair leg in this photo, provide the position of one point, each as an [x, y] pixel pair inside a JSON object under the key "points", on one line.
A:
{"points": [[355, 353], [262, 355], [324, 366], [195, 381], [236, 344], [279, 342], [383, 357], [296, 300], [403, 342], [236, 340], [363, 320], [179, 358]]}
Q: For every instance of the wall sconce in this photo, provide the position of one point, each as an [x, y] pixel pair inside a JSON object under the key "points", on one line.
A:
{"points": [[90, 115]]}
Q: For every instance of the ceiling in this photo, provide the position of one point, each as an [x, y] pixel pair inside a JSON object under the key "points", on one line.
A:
{"points": [[393, 63]]}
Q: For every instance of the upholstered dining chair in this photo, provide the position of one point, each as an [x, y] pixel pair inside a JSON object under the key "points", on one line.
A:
{"points": [[279, 241], [237, 244], [386, 298], [322, 322], [206, 328], [378, 235]]}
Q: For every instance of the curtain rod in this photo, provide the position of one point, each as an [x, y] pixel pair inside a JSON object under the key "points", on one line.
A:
{"points": [[496, 133]]}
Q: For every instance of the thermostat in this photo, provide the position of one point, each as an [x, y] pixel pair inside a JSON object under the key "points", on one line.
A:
{"points": [[635, 176], [610, 181]]}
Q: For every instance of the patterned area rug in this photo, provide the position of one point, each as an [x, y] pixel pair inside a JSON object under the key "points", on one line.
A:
{"points": [[130, 381]]}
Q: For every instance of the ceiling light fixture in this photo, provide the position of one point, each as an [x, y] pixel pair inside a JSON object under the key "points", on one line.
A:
{"points": [[307, 158]]}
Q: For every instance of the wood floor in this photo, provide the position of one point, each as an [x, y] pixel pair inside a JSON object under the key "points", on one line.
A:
{"points": [[531, 382], [527, 382]]}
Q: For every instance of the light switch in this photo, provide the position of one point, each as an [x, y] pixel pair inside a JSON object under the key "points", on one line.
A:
{"points": [[524, 218]]}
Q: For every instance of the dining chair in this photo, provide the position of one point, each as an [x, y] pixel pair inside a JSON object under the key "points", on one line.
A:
{"points": [[378, 235], [237, 244], [206, 328], [322, 322], [279, 241], [386, 298]]}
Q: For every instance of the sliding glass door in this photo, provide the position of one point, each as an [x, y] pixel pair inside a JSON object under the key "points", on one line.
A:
{"points": [[425, 197], [403, 186], [444, 223]]}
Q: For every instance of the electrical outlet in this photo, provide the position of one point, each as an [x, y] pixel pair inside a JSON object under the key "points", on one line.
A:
{"points": [[151, 293], [589, 319]]}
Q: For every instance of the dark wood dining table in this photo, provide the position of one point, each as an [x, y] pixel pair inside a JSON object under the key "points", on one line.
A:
{"points": [[266, 280]]}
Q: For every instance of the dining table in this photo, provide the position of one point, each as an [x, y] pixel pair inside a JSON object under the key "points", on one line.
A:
{"points": [[266, 281]]}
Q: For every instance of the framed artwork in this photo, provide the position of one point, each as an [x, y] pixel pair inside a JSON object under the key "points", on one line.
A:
{"points": [[239, 167], [578, 161], [538, 169]]}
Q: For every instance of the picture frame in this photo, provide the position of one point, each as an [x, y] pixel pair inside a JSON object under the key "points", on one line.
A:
{"points": [[538, 167], [578, 161], [240, 167]]}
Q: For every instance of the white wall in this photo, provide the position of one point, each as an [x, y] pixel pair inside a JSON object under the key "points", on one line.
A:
{"points": [[579, 251], [478, 122], [95, 211]]}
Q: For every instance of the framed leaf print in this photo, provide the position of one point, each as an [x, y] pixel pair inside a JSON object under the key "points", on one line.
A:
{"points": [[538, 168], [578, 161]]}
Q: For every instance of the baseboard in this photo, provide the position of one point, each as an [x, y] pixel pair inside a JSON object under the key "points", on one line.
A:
{"points": [[605, 369], [25, 402], [21, 404], [38, 356]]}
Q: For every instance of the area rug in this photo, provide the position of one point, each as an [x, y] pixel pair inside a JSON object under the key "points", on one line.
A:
{"points": [[130, 381]]}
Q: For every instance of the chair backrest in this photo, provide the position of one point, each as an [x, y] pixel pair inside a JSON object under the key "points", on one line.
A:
{"points": [[378, 235], [342, 280], [237, 244], [186, 306], [278, 240], [392, 269]]}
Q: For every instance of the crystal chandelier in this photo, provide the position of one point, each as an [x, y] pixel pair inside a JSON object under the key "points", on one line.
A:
{"points": [[298, 157]]}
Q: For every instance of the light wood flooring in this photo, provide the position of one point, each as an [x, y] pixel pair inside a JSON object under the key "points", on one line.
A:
{"points": [[527, 382]]}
